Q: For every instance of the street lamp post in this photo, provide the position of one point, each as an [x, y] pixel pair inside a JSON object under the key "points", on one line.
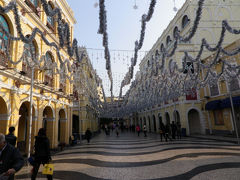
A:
{"points": [[79, 116], [30, 112], [233, 113]]}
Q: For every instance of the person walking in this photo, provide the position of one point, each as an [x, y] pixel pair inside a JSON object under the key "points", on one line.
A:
{"points": [[145, 130], [42, 153], [162, 130], [174, 130], [10, 137], [179, 134], [88, 135], [167, 130], [106, 129], [11, 160], [117, 130], [138, 129]]}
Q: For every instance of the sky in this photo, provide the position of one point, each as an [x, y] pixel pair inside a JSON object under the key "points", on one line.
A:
{"points": [[123, 28]]}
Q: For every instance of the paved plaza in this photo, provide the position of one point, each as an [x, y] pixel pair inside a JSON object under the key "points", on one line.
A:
{"points": [[129, 157]]}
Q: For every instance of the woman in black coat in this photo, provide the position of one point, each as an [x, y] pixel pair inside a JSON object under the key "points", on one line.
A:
{"points": [[42, 153], [88, 134]]}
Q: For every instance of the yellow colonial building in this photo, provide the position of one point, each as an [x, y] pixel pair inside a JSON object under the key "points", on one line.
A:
{"points": [[191, 110], [52, 106], [89, 95]]}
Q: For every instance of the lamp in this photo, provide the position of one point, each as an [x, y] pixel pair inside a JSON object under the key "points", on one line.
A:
{"points": [[135, 5], [174, 8], [22, 73]]}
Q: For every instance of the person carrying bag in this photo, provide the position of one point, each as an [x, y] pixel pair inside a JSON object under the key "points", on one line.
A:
{"points": [[48, 169], [42, 155]]}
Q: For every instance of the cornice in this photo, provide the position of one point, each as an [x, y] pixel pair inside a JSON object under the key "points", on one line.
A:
{"points": [[67, 11]]}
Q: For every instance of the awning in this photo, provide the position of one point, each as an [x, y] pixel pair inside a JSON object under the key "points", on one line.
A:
{"points": [[226, 103], [223, 103], [213, 105]]}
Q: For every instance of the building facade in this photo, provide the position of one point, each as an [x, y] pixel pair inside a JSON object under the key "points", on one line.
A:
{"points": [[191, 110], [52, 106]]}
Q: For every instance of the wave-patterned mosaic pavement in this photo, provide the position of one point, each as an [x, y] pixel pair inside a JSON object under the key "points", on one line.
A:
{"points": [[130, 157]]}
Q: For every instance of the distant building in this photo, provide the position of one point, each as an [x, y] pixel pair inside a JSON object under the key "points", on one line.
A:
{"points": [[88, 92]]}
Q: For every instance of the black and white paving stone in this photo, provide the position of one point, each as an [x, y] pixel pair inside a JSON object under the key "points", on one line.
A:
{"points": [[129, 157]]}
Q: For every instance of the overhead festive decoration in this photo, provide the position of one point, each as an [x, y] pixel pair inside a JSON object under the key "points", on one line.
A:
{"points": [[158, 87], [103, 30], [138, 46]]}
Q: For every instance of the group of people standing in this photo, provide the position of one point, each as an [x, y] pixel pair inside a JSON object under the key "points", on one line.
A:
{"points": [[11, 159], [168, 131]]}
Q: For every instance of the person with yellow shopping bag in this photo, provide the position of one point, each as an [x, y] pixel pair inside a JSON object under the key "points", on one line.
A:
{"points": [[42, 155], [48, 169]]}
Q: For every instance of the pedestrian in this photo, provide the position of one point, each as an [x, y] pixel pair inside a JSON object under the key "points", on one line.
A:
{"points": [[179, 134], [117, 130], [106, 129], [11, 138], [173, 129], [162, 130], [88, 135], [167, 130], [145, 130], [11, 160], [42, 153], [138, 129]]}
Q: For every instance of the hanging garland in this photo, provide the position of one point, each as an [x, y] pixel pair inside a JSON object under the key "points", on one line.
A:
{"points": [[138, 46], [103, 30]]}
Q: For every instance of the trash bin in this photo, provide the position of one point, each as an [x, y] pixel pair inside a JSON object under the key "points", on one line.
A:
{"points": [[184, 132]]}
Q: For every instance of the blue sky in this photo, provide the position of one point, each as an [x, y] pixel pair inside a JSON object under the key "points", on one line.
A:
{"points": [[123, 27]]}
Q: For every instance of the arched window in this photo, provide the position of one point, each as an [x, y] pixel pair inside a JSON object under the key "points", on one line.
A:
{"points": [[168, 41], [50, 19], [185, 21], [30, 52], [148, 63], [175, 31], [48, 74], [234, 84], [161, 48], [62, 84], [4, 41]]}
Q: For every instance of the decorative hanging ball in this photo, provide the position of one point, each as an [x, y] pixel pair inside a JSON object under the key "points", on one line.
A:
{"points": [[135, 6], [96, 5], [174, 8]]}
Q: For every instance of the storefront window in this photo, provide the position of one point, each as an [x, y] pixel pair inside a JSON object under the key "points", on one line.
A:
{"points": [[218, 117]]}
